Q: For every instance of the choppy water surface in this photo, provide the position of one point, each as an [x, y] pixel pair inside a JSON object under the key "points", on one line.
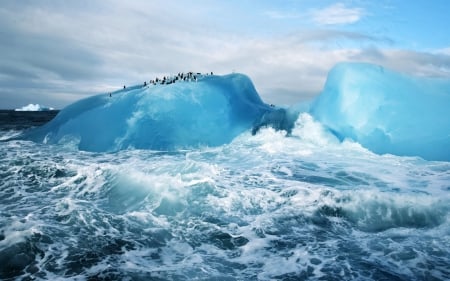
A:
{"points": [[265, 207]]}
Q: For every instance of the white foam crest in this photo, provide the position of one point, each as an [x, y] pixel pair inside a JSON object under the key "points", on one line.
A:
{"points": [[144, 217], [331, 157], [65, 206], [18, 230], [5, 135], [297, 262], [308, 139], [244, 201], [311, 131], [374, 211], [152, 187], [371, 210], [173, 258], [87, 178], [409, 251], [68, 142]]}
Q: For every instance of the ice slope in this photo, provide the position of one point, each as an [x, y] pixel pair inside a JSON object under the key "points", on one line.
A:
{"points": [[209, 112], [385, 111]]}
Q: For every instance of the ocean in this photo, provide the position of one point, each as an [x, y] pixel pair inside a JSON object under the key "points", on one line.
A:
{"points": [[262, 207]]}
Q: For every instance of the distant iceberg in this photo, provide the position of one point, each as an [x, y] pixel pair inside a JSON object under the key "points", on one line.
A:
{"points": [[385, 111], [34, 107]]}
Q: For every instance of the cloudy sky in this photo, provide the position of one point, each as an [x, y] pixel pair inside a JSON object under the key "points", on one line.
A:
{"points": [[54, 52]]}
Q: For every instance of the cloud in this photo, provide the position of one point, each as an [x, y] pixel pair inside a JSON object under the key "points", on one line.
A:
{"points": [[337, 36], [337, 14], [417, 63], [54, 52], [445, 51]]}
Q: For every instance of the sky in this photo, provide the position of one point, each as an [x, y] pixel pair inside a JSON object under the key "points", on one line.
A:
{"points": [[54, 52]]}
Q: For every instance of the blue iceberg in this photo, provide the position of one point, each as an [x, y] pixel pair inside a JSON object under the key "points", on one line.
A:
{"points": [[385, 111], [208, 112]]}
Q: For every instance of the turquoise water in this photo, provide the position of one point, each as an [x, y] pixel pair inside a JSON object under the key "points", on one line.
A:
{"points": [[263, 207]]}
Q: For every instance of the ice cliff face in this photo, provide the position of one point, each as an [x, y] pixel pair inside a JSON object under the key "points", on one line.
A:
{"points": [[208, 112], [387, 112]]}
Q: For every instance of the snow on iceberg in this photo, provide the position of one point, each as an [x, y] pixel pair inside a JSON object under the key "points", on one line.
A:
{"points": [[34, 107], [387, 112], [210, 112]]}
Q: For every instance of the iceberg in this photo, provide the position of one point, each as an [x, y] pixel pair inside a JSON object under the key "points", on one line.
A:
{"points": [[210, 111], [385, 111], [34, 107]]}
